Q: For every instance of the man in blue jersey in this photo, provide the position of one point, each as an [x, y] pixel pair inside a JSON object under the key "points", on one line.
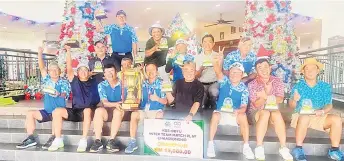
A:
{"points": [[56, 91]]}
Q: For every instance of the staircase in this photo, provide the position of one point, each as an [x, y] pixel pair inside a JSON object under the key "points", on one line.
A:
{"points": [[228, 141]]}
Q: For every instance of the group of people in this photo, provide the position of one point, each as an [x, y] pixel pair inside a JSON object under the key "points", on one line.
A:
{"points": [[239, 86]]}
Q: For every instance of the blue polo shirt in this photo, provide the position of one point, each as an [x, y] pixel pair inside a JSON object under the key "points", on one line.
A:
{"points": [[121, 38], [61, 86], [109, 93], [147, 90], [235, 56], [238, 94], [85, 93], [177, 70], [320, 94]]}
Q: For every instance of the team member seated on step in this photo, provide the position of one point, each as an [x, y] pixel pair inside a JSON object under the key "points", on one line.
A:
{"points": [[85, 99], [312, 100], [205, 71], [188, 92], [265, 93], [177, 58], [110, 93], [56, 91], [245, 56], [152, 104], [231, 105]]}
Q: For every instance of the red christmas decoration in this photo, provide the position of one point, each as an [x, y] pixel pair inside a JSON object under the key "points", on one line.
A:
{"points": [[88, 25], [270, 4], [251, 22], [88, 10], [73, 10], [91, 48], [75, 63], [263, 52], [26, 86], [27, 96], [38, 96], [70, 34], [288, 39], [89, 34], [259, 33], [271, 37], [271, 18], [253, 7]]}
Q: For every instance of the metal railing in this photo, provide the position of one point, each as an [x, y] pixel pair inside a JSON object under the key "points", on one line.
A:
{"points": [[333, 59], [20, 68]]}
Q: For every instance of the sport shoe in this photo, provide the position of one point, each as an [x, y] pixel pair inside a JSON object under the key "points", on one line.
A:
{"points": [[247, 151], [259, 153], [48, 144], [299, 154], [56, 144], [211, 150], [285, 153], [97, 146], [336, 155], [132, 146], [28, 142], [82, 145], [112, 146]]}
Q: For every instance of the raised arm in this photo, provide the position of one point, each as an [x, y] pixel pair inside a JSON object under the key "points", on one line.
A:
{"points": [[41, 62], [217, 63], [70, 72], [99, 27]]}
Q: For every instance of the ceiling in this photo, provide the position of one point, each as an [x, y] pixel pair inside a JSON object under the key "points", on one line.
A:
{"points": [[142, 14]]}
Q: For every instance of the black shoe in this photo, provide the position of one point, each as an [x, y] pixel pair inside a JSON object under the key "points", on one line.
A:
{"points": [[96, 147], [48, 144], [112, 146], [28, 142]]}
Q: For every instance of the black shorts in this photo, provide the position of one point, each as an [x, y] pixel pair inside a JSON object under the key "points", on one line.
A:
{"points": [[76, 115], [45, 116]]}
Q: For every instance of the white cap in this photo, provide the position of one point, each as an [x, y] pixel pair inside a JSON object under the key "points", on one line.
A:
{"points": [[157, 25], [237, 65], [83, 65], [181, 41], [53, 64]]}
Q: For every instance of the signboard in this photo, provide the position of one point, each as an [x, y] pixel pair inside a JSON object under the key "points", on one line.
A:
{"points": [[173, 138]]}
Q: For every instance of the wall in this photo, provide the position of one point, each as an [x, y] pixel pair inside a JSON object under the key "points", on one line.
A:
{"points": [[215, 31], [27, 41]]}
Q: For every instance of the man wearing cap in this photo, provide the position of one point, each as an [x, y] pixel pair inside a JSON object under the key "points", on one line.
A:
{"points": [[56, 91], [245, 56], [266, 92], [317, 95], [85, 99], [123, 38], [101, 59], [231, 106], [205, 71], [157, 48], [177, 58]]}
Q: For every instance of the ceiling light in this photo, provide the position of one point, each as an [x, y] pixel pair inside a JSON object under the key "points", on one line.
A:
{"points": [[4, 27], [136, 27], [303, 23], [185, 14], [157, 21], [307, 33], [148, 8], [218, 5]]}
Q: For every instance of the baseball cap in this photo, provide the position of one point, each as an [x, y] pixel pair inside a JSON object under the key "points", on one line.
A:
{"points": [[121, 12], [237, 65], [53, 64], [181, 41], [83, 65]]}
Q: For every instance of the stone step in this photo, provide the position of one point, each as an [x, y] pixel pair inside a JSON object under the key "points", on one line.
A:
{"points": [[19, 122], [312, 146], [10, 153]]}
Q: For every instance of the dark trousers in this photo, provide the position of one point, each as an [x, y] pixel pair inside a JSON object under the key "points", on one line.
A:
{"points": [[118, 59]]}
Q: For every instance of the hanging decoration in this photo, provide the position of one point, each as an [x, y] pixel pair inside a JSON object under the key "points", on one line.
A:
{"points": [[269, 24], [29, 22], [78, 31]]}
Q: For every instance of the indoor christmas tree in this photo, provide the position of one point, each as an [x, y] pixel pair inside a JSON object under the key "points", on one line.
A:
{"points": [[78, 31], [268, 24]]}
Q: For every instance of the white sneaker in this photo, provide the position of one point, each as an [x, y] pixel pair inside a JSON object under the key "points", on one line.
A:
{"points": [[211, 150], [82, 145], [56, 144], [247, 151], [259, 153], [285, 153]]}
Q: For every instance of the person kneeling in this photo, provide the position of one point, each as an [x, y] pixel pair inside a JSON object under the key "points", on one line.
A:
{"points": [[56, 92], [151, 106], [312, 100], [85, 98], [110, 93], [231, 105]]}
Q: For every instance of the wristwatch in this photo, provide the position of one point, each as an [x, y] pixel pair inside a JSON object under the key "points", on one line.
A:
{"points": [[191, 114]]}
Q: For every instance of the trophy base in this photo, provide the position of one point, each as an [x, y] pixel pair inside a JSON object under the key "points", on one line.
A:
{"points": [[227, 110], [271, 108], [98, 71], [207, 64], [130, 107]]}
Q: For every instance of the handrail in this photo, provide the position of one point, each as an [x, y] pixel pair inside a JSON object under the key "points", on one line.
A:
{"points": [[23, 51], [321, 49]]}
